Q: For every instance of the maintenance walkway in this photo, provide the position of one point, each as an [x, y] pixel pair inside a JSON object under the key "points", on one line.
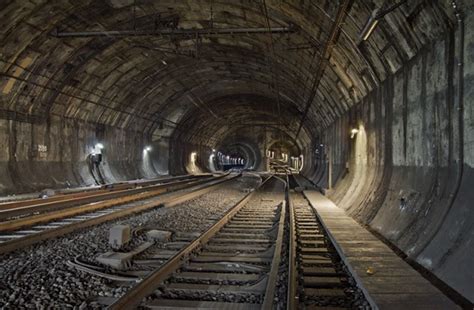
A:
{"points": [[386, 279]]}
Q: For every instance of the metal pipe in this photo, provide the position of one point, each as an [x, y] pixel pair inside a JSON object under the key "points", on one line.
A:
{"points": [[460, 22], [110, 276], [173, 32], [391, 8], [460, 62], [375, 18], [324, 59], [271, 61]]}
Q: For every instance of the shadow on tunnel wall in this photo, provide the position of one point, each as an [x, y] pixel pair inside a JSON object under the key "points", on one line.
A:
{"points": [[182, 160], [401, 173]]}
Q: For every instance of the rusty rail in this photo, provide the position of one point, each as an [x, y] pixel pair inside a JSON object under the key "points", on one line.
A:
{"points": [[91, 191], [273, 276], [135, 295], [28, 207], [173, 200], [292, 297]]}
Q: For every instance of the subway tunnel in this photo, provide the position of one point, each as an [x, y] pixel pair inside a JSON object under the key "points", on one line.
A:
{"points": [[369, 101]]}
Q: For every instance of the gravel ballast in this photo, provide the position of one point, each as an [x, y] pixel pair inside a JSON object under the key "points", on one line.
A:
{"points": [[38, 278]]}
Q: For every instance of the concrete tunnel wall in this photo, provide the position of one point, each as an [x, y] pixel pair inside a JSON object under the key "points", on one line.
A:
{"points": [[69, 94], [401, 174], [37, 154]]}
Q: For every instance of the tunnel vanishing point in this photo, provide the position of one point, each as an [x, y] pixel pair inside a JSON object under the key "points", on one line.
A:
{"points": [[372, 101]]}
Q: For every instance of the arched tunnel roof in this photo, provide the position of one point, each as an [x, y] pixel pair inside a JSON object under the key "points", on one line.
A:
{"points": [[203, 89]]}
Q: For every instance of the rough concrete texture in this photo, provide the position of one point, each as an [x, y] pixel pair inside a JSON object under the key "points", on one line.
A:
{"points": [[231, 82], [404, 177], [245, 93], [37, 155]]}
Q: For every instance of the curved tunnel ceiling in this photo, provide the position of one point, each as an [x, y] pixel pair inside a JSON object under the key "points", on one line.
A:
{"points": [[235, 112], [205, 92]]}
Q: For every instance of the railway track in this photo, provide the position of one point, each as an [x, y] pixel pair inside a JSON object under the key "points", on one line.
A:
{"points": [[317, 276], [18, 233], [52, 213], [233, 265], [268, 249], [16, 209]]}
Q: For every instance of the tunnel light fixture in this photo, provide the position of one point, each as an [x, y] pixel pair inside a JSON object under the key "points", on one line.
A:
{"points": [[375, 18], [164, 62], [148, 148], [354, 131], [193, 157], [370, 26]]}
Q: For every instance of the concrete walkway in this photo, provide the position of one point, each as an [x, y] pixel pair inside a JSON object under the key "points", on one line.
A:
{"points": [[394, 284]]}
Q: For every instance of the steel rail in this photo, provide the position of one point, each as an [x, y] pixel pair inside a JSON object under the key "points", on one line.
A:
{"points": [[68, 201], [324, 58], [90, 191], [316, 256], [292, 297], [173, 200], [146, 287], [23, 222], [96, 191], [274, 271]]}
